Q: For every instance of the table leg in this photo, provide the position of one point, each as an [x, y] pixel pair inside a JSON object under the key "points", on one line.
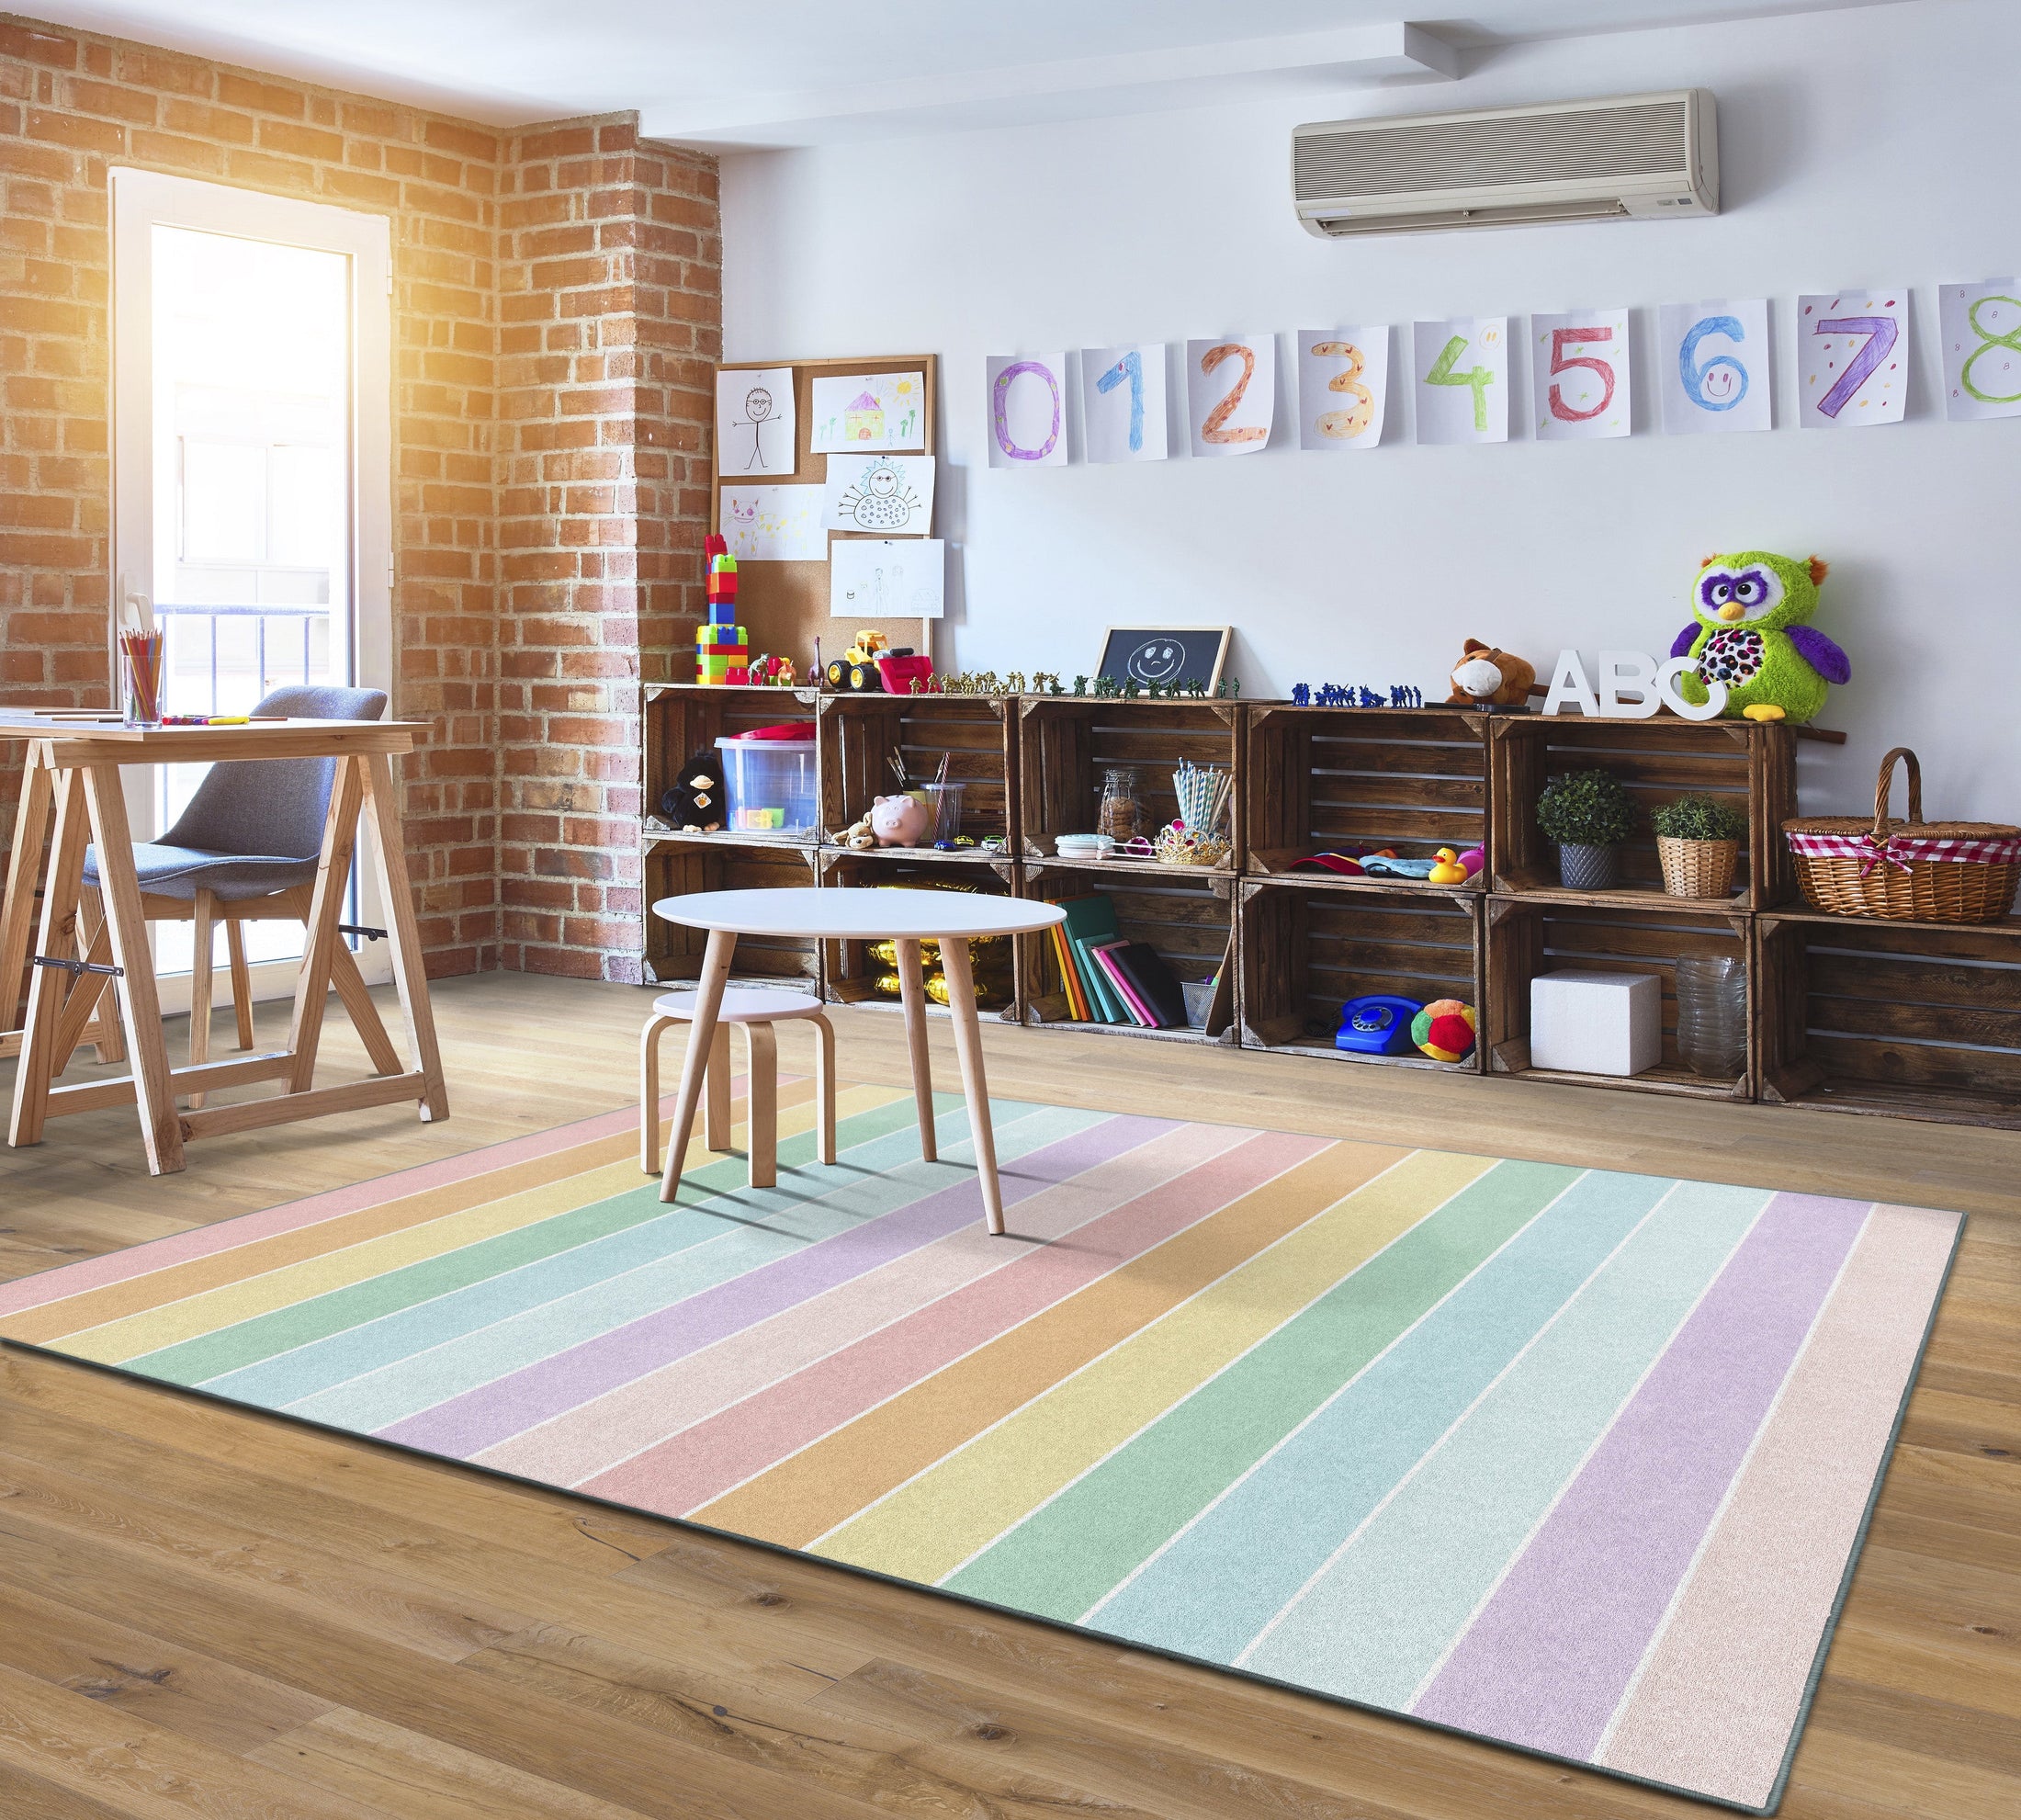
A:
{"points": [[325, 907], [403, 932], [708, 1001], [46, 994], [961, 1001], [912, 995], [715, 1102], [103, 1032], [17, 906], [161, 1125]]}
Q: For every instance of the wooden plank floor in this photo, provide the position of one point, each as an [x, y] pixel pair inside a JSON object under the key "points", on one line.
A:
{"points": [[208, 1613]]}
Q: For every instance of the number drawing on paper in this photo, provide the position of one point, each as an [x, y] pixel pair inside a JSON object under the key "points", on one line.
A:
{"points": [[1852, 361]]}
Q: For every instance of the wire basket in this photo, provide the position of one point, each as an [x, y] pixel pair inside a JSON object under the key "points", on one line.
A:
{"points": [[1913, 870]]}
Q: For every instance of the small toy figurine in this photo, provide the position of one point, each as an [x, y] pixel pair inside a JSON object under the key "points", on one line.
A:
{"points": [[1081, 686], [1447, 871], [1491, 678], [1750, 631], [860, 835], [1301, 695], [1444, 1030], [694, 803], [783, 673]]}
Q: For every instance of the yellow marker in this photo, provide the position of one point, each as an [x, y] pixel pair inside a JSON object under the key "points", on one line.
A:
{"points": [[228, 720]]}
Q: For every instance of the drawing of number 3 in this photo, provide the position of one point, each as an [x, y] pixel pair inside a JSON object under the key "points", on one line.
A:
{"points": [[1214, 428], [1345, 425]]}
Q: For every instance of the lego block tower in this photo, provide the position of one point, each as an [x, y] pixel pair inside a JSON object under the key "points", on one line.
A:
{"points": [[722, 653]]}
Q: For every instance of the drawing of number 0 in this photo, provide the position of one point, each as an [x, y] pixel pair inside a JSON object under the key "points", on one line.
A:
{"points": [[1000, 408]]}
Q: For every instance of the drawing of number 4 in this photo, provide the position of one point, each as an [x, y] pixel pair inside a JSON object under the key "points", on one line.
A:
{"points": [[1479, 378]]}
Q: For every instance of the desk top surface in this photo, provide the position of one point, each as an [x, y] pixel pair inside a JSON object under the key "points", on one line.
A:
{"points": [[111, 740], [864, 912]]}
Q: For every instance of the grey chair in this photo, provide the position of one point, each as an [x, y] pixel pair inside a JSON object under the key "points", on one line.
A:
{"points": [[245, 849]]}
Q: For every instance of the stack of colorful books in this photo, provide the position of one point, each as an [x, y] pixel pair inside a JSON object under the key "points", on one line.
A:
{"points": [[1107, 977]]}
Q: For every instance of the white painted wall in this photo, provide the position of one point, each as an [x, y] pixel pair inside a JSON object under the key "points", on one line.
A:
{"points": [[1861, 147]]}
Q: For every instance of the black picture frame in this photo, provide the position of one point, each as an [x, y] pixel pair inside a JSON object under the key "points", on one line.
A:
{"points": [[1140, 651]]}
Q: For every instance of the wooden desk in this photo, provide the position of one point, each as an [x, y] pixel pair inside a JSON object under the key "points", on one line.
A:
{"points": [[72, 774], [907, 918]]}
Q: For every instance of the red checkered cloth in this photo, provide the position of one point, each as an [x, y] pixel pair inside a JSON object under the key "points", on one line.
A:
{"points": [[1903, 850]]}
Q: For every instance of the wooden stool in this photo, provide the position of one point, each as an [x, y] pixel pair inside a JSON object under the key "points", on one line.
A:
{"points": [[756, 1009]]}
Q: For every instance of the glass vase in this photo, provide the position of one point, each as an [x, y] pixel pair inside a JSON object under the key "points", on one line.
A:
{"points": [[1712, 1015]]}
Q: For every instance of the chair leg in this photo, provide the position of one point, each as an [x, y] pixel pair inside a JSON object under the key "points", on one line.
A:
{"points": [[824, 1087], [201, 956], [241, 979], [716, 1125], [761, 1098], [648, 1094]]}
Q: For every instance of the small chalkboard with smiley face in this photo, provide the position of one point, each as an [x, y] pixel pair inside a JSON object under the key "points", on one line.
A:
{"points": [[1185, 654]]}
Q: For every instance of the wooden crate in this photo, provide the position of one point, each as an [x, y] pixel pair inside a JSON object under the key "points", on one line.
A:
{"points": [[1307, 950], [1745, 762], [1528, 936], [677, 865], [682, 718], [862, 734], [1917, 1020], [1187, 915], [850, 971], [1313, 778], [1065, 744]]}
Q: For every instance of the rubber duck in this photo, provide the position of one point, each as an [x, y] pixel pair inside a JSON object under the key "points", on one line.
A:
{"points": [[1447, 871]]}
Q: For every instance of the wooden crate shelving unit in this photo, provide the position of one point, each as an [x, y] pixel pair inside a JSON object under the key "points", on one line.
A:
{"points": [[1066, 745], [848, 970], [680, 865], [1313, 778], [682, 718], [1186, 913], [1747, 764], [1917, 1020], [1533, 935], [1305, 950], [862, 734]]}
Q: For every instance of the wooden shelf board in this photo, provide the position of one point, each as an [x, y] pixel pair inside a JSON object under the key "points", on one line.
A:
{"points": [[1000, 1010], [931, 855], [1878, 1099], [1141, 869], [1803, 912], [1678, 1082], [1226, 1040], [1326, 1051], [1621, 897], [1333, 881], [652, 827]]}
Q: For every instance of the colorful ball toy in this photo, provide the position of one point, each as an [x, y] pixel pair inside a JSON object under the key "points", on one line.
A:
{"points": [[1444, 1030]]}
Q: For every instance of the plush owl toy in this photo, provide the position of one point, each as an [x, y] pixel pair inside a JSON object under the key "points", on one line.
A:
{"points": [[1750, 631]]}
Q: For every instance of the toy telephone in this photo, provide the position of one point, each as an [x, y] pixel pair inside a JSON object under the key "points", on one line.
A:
{"points": [[1377, 1024]]}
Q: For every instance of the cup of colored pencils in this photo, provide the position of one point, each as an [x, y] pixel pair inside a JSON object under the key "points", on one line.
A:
{"points": [[141, 653]]}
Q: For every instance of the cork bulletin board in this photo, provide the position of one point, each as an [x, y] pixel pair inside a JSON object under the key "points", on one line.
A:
{"points": [[784, 605]]}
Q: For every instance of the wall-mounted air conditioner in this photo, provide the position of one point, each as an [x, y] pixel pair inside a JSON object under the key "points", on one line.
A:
{"points": [[1640, 157]]}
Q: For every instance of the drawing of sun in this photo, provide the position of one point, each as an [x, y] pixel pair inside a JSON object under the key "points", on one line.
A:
{"points": [[880, 501]]}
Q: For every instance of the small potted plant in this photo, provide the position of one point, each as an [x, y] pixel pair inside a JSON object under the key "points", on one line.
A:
{"points": [[1698, 839], [1588, 814]]}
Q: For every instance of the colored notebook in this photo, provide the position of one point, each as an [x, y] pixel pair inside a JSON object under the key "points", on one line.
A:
{"points": [[1104, 955], [1090, 918], [1156, 985]]}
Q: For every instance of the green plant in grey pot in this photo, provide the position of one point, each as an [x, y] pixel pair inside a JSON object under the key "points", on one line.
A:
{"points": [[1588, 814], [1698, 839]]}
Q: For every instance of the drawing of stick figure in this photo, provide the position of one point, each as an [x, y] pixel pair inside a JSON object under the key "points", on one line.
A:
{"points": [[757, 410]]}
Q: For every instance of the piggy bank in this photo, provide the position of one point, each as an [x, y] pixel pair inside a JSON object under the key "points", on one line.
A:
{"points": [[900, 821]]}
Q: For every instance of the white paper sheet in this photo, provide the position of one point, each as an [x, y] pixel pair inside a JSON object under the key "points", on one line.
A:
{"points": [[886, 578], [1123, 401], [775, 523], [891, 494], [1026, 401], [754, 421], [1982, 325], [1852, 358], [1231, 393], [1581, 375], [1459, 369], [1343, 387], [1713, 367], [867, 411]]}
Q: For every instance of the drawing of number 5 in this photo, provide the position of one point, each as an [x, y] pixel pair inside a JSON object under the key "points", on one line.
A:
{"points": [[1214, 428], [1561, 362], [1345, 425]]}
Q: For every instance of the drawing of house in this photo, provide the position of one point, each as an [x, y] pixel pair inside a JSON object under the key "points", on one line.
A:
{"points": [[863, 420]]}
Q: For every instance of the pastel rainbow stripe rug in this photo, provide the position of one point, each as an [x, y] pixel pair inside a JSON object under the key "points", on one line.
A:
{"points": [[1573, 1460]]}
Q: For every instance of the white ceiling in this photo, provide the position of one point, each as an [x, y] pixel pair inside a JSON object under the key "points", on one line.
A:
{"points": [[804, 72]]}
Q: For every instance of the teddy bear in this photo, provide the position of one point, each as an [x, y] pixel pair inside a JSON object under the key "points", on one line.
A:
{"points": [[693, 802], [1485, 677]]}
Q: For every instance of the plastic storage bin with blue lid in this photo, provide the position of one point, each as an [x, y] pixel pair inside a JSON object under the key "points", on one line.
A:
{"points": [[768, 776]]}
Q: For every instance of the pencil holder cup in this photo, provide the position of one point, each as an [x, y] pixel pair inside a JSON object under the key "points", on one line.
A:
{"points": [[141, 677]]}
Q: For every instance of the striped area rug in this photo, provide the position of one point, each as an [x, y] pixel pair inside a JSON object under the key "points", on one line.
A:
{"points": [[1573, 1460]]}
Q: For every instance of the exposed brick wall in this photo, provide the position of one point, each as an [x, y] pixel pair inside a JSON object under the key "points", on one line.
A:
{"points": [[610, 323], [600, 356]]}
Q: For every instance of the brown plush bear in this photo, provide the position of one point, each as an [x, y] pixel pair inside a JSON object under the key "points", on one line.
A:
{"points": [[1489, 678]]}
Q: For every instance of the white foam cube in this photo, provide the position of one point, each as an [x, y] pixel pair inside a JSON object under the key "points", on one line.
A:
{"points": [[1589, 1022]]}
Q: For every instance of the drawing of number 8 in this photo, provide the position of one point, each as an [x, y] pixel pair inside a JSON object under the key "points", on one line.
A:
{"points": [[1345, 425]]}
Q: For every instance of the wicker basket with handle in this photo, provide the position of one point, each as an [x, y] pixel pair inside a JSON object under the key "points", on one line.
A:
{"points": [[1925, 871]]}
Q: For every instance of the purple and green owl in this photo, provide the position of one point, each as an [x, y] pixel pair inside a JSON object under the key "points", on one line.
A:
{"points": [[1750, 630]]}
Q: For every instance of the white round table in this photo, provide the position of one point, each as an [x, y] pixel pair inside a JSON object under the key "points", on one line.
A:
{"points": [[861, 913]]}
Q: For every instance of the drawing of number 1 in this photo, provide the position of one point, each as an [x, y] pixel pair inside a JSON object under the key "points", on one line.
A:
{"points": [[1881, 333], [999, 410], [1479, 378], [1130, 368]]}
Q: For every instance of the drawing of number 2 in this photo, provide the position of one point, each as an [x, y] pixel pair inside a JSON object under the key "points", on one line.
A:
{"points": [[1214, 428], [1348, 424]]}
